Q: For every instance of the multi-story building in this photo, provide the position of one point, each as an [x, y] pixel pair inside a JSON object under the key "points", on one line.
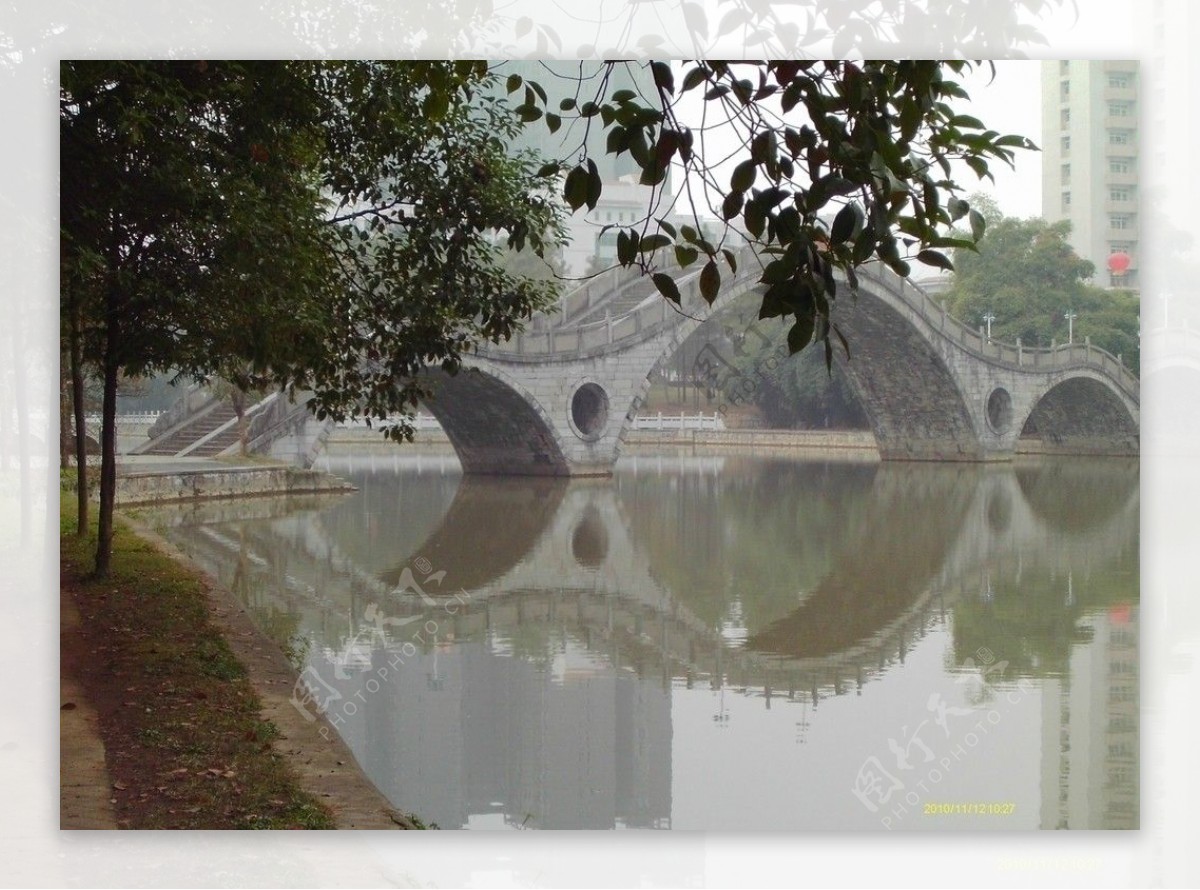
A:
{"points": [[1090, 161], [623, 202]]}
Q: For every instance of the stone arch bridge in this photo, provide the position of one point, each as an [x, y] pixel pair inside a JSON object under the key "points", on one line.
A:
{"points": [[558, 399]]}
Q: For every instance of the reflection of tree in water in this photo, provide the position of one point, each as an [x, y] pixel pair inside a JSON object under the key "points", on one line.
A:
{"points": [[1032, 621], [892, 556], [763, 533], [1074, 495]]}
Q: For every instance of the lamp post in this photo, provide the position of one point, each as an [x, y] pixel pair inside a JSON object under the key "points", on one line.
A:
{"points": [[988, 318], [1070, 316]]}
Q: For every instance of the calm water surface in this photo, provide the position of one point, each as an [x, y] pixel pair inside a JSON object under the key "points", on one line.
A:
{"points": [[710, 642]]}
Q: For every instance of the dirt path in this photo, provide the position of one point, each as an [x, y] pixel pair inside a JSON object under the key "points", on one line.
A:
{"points": [[138, 672]]}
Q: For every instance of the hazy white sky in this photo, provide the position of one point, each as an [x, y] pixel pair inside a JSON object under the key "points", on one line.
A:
{"points": [[1011, 103]]}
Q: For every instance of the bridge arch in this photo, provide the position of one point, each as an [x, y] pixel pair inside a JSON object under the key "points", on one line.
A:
{"points": [[913, 397], [1083, 414], [495, 423]]}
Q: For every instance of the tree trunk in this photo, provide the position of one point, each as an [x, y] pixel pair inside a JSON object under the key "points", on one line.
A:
{"points": [[108, 470], [80, 422], [64, 419], [108, 428], [239, 407]]}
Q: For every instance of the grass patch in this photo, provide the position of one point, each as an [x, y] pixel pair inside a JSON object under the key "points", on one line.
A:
{"points": [[185, 743]]}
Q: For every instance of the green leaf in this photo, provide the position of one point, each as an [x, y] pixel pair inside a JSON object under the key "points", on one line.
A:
{"points": [[710, 282], [933, 258], [664, 79], [626, 248], [653, 242], [978, 224], [617, 140], [685, 255], [594, 185], [575, 189], [848, 219], [965, 120], [800, 334], [694, 78], [732, 205], [666, 286], [553, 122], [550, 169], [731, 259], [513, 83], [743, 176]]}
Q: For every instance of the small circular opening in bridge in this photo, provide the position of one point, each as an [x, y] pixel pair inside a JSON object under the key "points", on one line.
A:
{"points": [[589, 411], [589, 543], [999, 410]]}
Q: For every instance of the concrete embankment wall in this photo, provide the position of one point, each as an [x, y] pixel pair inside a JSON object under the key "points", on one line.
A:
{"points": [[342, 441], [859, 440], [158, 486]]}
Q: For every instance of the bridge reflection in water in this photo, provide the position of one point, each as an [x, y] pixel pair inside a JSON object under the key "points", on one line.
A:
{"points": [[713, 642]]}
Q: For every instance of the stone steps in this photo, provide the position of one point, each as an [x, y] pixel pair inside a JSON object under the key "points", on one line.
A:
{"points": [[206, 423]]}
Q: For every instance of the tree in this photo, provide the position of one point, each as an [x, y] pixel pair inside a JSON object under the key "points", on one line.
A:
{"points": [[1026, 274], [316, 226], [827, 165]]}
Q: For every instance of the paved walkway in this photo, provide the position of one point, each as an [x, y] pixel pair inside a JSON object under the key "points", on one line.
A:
{"points": [[85, 788]]}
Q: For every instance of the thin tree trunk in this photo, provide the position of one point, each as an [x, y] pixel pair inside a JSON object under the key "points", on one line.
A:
{"points": [[108, 432], [64, 419], [108, 470], [80, 421]]}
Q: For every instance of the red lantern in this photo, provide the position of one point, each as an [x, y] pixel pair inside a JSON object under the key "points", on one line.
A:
{"points": [[1118, 262]]}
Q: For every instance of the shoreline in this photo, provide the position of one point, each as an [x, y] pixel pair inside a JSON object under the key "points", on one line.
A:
{"points": [[323, 763]]}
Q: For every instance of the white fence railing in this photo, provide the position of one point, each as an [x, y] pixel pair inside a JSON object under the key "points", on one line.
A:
{"points": [[133, 419], [679, 421]]}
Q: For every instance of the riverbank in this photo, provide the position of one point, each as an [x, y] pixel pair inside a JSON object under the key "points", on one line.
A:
{"points": [[190, 705]]}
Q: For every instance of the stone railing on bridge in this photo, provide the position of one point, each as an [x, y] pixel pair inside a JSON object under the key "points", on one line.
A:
{"points": [[645, 320], [976, 342]]}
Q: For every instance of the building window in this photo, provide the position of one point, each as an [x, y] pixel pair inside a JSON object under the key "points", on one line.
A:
{"points": [[1066, 173], [1120, 221], [1064, 117], [1120, 193], [1119, 81], [1120, 247], [1066, 200], [1066, 144], [1120, 109], [1118, 137], [1119, 165], [1064, 68], [1064, 90]]}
